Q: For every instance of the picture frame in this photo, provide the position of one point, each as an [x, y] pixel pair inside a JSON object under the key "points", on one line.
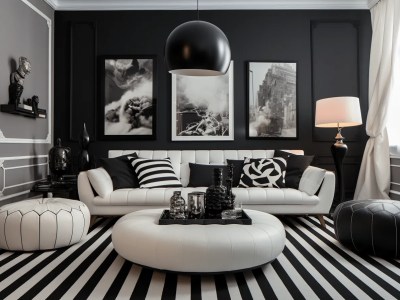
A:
{"points": [[203, 107], [272, 100], [128, 106]]}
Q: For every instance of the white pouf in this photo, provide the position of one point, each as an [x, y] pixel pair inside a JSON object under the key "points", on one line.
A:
{"points": [[198, 248], [42, 224]]}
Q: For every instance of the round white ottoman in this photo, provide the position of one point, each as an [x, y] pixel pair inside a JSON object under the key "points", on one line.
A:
{"points": [[42, 224], [198, 248]]}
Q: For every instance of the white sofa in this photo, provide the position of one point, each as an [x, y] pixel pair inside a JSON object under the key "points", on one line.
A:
{"points": [[105, 201]]}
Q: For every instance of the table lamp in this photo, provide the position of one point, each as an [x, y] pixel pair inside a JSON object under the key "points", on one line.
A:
{"points": [[338, 112]]}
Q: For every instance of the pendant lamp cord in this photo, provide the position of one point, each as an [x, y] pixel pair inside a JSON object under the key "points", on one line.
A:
{"points": [[198, 13]]}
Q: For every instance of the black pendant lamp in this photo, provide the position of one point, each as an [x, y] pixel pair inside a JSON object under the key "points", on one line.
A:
{"points": [[197, 48]]}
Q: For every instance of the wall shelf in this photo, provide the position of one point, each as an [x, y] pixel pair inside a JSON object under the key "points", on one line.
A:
{"points": [[16, 110]]}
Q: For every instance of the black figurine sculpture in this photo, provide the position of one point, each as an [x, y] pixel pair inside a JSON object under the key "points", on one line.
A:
{"points": [[34, 103], [84, 158], [17, 80]]}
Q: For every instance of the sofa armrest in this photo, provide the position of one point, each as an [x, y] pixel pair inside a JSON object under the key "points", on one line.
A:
{"points": [[326, 189], [101, 182], [311, 180], [85, 190]]}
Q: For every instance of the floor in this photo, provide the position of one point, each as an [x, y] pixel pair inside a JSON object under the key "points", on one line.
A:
{"points": [[313, 265]]}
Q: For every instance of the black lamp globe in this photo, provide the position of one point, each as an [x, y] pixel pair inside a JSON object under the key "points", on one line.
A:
{"points": [[197, 48]]}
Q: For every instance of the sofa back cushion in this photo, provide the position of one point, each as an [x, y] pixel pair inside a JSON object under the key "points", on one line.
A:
{"points": [[180, 159]]}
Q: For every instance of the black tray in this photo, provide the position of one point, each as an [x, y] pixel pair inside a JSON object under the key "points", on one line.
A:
{"points": [[165, 220]]}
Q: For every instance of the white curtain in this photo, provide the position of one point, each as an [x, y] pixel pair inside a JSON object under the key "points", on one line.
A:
{"points": [[374, 178]]}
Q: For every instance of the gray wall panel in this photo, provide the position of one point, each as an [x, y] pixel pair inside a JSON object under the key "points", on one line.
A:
{"points": [[25, 162], [22, 175], [25, 32]]}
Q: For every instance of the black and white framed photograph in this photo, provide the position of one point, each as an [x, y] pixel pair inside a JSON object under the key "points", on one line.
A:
{"points": [[272, 100], [128, 106], [202, 107]]}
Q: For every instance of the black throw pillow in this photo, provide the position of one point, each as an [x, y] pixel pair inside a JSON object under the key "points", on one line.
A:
{"points": [[296, 165], [120, 171], [263, 172], [203, 175], [237, 170]]}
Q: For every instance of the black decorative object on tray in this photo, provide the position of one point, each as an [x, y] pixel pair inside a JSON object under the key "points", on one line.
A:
{"points": [[177, 206], [229, 201], [60, 160], [166, 220], [215, 196]]}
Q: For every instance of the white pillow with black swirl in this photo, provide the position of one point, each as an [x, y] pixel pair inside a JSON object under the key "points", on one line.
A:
{"points": [[263, 172]]}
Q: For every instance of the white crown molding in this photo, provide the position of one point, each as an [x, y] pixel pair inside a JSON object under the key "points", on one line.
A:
{"points": [[208, 4]]}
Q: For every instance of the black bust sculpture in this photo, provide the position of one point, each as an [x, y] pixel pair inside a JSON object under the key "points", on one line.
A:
{"points": [[60, 160]]}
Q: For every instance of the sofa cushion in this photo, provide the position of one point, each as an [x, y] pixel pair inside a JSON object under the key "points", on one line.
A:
{"points": [[265, 172], [155, 173], [161, 196], [120, 171], [203, 175]]}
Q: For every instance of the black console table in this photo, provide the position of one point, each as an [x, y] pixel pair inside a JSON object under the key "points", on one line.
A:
{"points": [[66, 188]]}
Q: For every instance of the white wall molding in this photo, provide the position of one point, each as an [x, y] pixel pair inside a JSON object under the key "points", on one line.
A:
{"points": [[208, 4], [4, 169], [48, 139]]}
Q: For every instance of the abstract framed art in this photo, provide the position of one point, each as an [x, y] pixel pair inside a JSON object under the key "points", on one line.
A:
{"points": [[202, 107], [128, 97], [272, 100]]}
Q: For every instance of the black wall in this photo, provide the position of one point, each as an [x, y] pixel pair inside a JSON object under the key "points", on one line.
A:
{"points": [[331, 49]]}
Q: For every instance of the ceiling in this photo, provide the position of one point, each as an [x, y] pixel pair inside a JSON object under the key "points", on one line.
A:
{"points": [[208, 4]]}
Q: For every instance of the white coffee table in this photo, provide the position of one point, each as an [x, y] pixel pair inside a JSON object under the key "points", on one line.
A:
{"points": [[198, 248]]}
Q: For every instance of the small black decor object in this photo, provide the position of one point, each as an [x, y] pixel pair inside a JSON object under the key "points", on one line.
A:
{"points": [[17, 80], [229, 201], [59, 161], [215, 196], [177, 206], [84, 158]]}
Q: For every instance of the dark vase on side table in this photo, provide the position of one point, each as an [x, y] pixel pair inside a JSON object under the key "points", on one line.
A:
{"points": [[84, 158], [215, 196]]}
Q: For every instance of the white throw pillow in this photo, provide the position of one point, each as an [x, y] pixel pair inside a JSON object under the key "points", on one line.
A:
{"points": [[311, 180]]}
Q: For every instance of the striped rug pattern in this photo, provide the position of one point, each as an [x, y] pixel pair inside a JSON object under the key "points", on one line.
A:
{"points": [[313, 265]]}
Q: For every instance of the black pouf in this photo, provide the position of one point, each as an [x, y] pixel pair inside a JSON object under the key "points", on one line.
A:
{"points": [[369, 226]]}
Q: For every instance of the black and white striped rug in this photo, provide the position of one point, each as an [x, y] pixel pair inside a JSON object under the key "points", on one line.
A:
{"points": [[313, 265]]}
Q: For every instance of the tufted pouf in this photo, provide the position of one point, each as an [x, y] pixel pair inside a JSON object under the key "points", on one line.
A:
{"points": [[369, 226], [42, 224], [198, 248]]}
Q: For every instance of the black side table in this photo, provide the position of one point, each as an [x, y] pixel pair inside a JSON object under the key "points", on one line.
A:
{"points": [[66, 188]]}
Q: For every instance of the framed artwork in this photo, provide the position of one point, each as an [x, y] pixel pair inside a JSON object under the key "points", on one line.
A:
{"points": [[272, 100], [128, 97], [202, 107]]}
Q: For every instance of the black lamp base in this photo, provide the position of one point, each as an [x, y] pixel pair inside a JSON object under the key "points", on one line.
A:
{"points": [[339, 150]]}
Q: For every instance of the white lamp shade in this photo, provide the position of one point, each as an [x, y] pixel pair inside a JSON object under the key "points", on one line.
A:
{"points": [[338, 112]]}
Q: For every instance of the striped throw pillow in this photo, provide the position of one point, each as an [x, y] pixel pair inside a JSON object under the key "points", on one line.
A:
{"points": [[155, 173]]}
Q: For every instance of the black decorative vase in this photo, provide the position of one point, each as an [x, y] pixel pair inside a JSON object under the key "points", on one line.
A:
{"points": [[215, 196], [60, 160], [84, 158], [229, 201]]}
